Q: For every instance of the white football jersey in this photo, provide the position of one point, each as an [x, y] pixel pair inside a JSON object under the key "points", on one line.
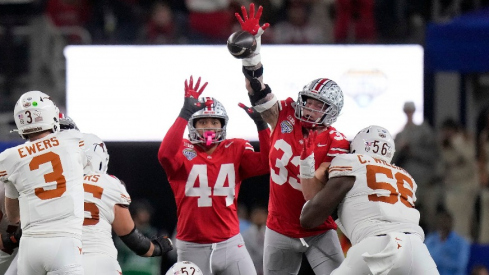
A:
{"points": [[102, 193], [46, 176], [381, 200]]}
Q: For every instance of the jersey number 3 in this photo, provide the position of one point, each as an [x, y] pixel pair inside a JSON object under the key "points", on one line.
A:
{"points": [[204, 192], [56, 175]]}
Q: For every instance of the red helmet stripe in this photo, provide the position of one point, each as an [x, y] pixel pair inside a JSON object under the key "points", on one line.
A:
{"points": [[318, 86]]}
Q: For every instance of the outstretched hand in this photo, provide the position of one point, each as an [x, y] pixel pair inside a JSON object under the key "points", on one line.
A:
{"points": [[251, 23], [162, 244], [193, 91], [191, 102], [260, 123]]}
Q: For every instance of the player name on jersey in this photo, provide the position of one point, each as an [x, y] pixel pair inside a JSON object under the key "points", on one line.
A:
{"points": [[37, 147]]}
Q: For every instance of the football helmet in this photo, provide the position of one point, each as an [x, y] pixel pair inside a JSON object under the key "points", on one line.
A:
{"points": [[184, 268], [326, 91], [375, 141], [35, 112], [66, 123], [215, 109], [97, 154]]}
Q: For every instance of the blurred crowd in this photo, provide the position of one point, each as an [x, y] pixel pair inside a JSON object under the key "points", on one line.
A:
{"points": [[211, 21]]}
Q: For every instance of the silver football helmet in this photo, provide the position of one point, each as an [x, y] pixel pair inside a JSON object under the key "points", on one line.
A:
{"points": [[215, 109], [326, 91], [97, 154], [375, 141], [66, 123], [184, 268], [35, 112]]}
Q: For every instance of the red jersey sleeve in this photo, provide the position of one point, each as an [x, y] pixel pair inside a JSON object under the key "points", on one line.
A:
{"points": [[339, 145], [170, 145]]}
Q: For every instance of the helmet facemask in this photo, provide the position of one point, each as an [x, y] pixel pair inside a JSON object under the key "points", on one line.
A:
{"points": [[208, 136], [329, 94]]}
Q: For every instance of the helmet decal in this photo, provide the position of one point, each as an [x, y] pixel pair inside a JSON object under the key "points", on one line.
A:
{"points": [[374, 141], [35, 112]]}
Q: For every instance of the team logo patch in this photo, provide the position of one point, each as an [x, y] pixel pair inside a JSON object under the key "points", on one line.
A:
{"points": [[190, 154], [286, 127]]}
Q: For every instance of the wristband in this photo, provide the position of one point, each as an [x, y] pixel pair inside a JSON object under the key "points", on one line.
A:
{"points": [[267, 105]]}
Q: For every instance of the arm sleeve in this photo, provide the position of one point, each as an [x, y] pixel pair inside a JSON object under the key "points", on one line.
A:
{"points": [[339, 145], [170, 145], [256, 163], [10, 190]]}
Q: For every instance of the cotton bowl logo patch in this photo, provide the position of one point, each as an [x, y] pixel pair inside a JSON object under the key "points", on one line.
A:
{"points": [[286, 127], [189, 153]]}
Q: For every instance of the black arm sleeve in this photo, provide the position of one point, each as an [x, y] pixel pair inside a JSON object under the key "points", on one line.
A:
{"points": [[137, 242]]}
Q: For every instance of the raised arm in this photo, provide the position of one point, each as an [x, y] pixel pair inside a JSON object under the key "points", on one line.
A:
{"points": [[171, 142], [260, 94]]}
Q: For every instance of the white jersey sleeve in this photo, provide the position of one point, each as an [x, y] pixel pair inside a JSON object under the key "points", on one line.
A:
{"points": [[46, 176], [380, 201], [102, 193]]}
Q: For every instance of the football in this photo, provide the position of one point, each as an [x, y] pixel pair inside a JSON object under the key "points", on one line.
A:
{"points": [[241, 44]]}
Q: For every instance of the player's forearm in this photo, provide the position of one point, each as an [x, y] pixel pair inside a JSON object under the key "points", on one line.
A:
{"points": [[270, 115], [310, 187], [12, 209]]}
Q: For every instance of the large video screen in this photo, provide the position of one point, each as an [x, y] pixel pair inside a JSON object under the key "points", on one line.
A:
{"points": [[135, 93]]}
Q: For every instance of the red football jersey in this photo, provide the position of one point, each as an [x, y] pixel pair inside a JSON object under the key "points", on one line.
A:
{"points": [[286, 198], [206, 186]]}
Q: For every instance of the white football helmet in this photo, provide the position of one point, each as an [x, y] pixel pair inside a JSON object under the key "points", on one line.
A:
{"points": [[184, 268], [97, 154], [35, 112], [374, 141], [213, 108], [326, 91]]}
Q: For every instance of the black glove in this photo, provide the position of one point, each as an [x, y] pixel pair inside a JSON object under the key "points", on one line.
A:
{"points": [[11, 240], [191, 102], [260, 123], [162, 245]]}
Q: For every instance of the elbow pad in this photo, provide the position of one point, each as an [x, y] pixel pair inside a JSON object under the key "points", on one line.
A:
{"points": [[137, 242]]}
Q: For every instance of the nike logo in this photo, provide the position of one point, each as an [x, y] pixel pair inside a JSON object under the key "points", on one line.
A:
{"points": [[229, 144], [240, 245], [322, 145], [80, 249]]}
